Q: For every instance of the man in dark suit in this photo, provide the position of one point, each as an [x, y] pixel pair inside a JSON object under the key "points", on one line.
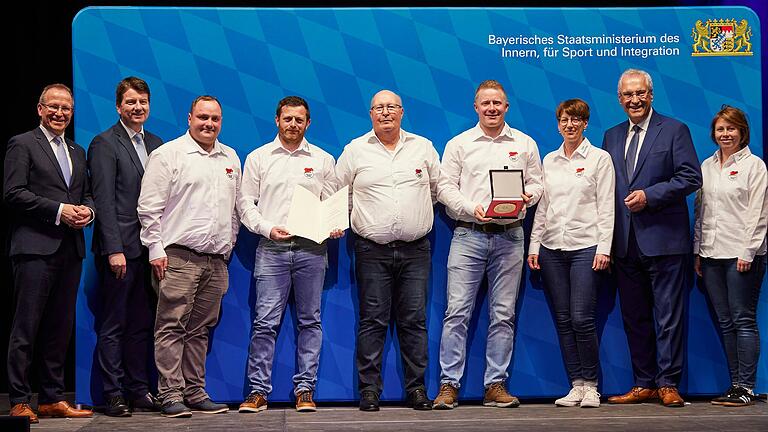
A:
{"points": [[47, 193], [116, 160], [656, 168]]}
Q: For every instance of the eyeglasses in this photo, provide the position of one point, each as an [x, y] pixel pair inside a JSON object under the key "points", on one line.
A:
{"points": [[55, 108], [378, 109], [574, 121], [641, 94]]}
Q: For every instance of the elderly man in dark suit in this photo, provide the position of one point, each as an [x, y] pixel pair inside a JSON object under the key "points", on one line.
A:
{"points": [[116, 160], [47, 192], [656, 168]]}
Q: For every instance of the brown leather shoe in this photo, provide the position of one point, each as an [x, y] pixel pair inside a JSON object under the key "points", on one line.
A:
{"points": [[670, 397], [304, 402], [635, 396], [62, 409], [24, 410]]}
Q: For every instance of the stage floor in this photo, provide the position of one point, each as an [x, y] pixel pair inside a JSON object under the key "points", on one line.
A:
{"points": [[530, 416]]}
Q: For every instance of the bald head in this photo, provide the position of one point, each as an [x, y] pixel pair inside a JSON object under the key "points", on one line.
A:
{"points": [[386, 114], [385, 94]]}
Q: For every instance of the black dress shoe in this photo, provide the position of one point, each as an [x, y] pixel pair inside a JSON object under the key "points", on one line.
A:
{"points": [[418, 400], [148, 402], [369, 401], [116, 407]]}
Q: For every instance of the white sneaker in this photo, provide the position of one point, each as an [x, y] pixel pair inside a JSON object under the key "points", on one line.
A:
{"points": [[591, 398], [573, 398]]}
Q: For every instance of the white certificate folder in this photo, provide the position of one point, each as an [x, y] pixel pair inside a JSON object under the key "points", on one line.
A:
{"points": [[314, 219]]}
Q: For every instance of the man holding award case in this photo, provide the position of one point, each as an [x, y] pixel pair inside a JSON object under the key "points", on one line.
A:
{"points": [[486, 243]]}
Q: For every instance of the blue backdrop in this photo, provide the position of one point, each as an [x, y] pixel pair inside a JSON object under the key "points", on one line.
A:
{"points": [[434, 58]]}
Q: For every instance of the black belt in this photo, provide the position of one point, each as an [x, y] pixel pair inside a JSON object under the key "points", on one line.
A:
{"points": [[396, 243], [188, 249], [489, 227]]}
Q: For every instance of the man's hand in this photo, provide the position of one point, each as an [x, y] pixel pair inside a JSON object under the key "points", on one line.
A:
{"points": [[75, 216], [480, 214], [279, 234], [743, 266], [636, 201], [533, 262], [527, 197], [697, 265], [337, 233], [118, 265], [159, 266], [600, 262]]}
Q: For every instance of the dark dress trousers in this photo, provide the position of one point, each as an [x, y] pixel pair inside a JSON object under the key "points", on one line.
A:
{"points": [[126, 318], [46, 260], [650, 247]]}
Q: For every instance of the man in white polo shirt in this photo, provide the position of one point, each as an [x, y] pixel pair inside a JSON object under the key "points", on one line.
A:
{"points": [[393, 177], [284, 262], [189, 223], [482, 247]]}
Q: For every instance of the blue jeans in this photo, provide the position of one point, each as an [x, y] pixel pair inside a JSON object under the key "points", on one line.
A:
{"points": [[571, 287], [386, 274], [297, 263], [474, 254], [734, 298]]}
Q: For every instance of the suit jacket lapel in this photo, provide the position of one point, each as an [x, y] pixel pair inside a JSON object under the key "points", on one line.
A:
{"points": [[618, 151], [46, 147], [74, 157], [122, 138], [654, 127], [150, 143]]}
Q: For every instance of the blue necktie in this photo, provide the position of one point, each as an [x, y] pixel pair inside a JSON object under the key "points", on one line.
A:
{"points": [[632, 151], [61, 156], [141, 149]]}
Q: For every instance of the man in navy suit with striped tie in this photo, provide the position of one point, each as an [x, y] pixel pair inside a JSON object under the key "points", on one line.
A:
{"points": [[656, 168], [47, 193]]}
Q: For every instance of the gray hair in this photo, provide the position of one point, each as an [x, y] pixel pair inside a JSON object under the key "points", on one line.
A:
{"points": [[641, 72]]}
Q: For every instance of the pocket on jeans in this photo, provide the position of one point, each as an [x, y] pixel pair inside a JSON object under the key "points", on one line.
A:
{"points": [[362, 246], [460, 232], [425, 246], [515, 234]]}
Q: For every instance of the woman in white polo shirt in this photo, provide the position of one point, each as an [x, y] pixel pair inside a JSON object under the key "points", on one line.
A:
{"points": [[571, 243], [730, 246]]}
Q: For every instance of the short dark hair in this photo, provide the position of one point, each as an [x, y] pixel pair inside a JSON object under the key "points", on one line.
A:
{"points": [[575, 107], [736, 117], [203, 98], [130, 82], [293, 101], [54, 86]]}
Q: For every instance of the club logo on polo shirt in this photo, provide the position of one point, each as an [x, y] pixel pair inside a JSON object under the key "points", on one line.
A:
{"points": [[230, 173], [418, 173], [580, 172], [309, 172], [513, 156], [732, 175]]}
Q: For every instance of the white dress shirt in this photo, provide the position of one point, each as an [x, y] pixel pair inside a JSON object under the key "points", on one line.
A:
{"points": [[469, 157], [732, 207], [392, 192], [270, 176], [643, 130], [188, 197], [577, 209]]}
